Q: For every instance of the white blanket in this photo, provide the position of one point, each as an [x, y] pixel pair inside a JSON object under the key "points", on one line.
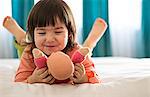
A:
{"points": [[121, 77]]}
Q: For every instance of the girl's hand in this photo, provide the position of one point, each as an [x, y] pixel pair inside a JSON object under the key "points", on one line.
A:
{"points": [[79, 74], [41, 76]]}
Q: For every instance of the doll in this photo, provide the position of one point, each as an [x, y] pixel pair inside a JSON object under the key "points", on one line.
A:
{"points": [[57, 61], [60, 65]]}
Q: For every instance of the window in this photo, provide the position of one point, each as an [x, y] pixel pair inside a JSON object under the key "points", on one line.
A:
{"points": [[76, 8], [125, 26], [6, 39]]}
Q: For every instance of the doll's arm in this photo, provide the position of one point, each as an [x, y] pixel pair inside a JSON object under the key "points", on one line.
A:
{"points": [[39, 58]]}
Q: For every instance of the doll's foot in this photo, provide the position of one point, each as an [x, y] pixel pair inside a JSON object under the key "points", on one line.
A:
{"points": [[37, 53], [80, 55], [11, 25], [39, 58]]}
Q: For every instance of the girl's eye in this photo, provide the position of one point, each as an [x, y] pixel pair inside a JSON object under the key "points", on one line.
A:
{"points": [[58, 32], [42, 33]]}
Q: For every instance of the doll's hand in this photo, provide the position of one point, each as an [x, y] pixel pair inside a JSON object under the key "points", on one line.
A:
{"points": [[41, 76], [79, 73]]}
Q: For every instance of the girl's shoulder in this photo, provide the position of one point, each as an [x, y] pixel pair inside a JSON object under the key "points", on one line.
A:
{"points": [[27, 53]]}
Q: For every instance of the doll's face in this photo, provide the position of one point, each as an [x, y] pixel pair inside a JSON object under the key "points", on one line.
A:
{"points": [[51, 38]]}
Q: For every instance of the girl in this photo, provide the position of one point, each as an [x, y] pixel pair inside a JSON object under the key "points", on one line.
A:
{"points": [[50, 28]]}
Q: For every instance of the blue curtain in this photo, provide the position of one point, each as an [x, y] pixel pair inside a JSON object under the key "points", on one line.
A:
{"points": [[146, 26], [20, 11], [91, 10]]}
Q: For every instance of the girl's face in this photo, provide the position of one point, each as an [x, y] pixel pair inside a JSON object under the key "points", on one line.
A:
{"points": [[51, 38]]}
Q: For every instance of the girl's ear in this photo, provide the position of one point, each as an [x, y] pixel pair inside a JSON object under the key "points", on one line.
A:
{"points": [[28, 38], [70, 37]]}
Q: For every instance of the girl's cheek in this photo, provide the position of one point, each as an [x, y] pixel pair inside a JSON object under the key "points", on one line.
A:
{"points": [[65, 40], [38, 41]]}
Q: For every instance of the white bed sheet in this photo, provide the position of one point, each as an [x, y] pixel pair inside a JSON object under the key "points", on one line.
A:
{"points": [[121, 77]]}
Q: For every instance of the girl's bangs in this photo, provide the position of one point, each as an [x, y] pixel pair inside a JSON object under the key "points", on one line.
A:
{"points": [[47, 16]]}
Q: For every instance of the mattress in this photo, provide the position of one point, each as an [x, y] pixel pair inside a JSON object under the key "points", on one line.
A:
{"points": [[121, 77]]}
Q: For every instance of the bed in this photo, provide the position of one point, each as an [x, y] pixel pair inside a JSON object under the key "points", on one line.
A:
{"points": [[121, 77]]}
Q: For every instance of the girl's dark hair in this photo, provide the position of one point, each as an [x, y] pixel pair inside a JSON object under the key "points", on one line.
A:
{"points": [[45, 13]]}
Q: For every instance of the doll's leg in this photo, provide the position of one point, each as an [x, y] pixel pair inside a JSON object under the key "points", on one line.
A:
{"points": [[39, 58], [79, 55], [96, 33], [11, 25]]}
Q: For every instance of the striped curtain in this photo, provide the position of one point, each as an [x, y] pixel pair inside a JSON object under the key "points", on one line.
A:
{"points": [[146, 26], [91, 10]]}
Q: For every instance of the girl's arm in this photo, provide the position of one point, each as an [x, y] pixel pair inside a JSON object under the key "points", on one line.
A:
{"points": [[85, 72], [91, 74]]}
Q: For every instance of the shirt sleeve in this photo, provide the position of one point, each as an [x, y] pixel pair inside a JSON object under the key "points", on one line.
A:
{"points": [[26, 67], [19, 48], [90, 71]]}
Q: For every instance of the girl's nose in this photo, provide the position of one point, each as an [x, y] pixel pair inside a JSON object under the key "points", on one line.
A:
{"points": [[50, 37]]}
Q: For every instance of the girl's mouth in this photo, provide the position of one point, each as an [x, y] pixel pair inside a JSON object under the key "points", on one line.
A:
{"points": [[51, 47]]}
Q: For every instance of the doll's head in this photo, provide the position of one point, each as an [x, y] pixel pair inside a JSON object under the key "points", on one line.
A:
{"points": [[60, 65], [47, 13]]}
